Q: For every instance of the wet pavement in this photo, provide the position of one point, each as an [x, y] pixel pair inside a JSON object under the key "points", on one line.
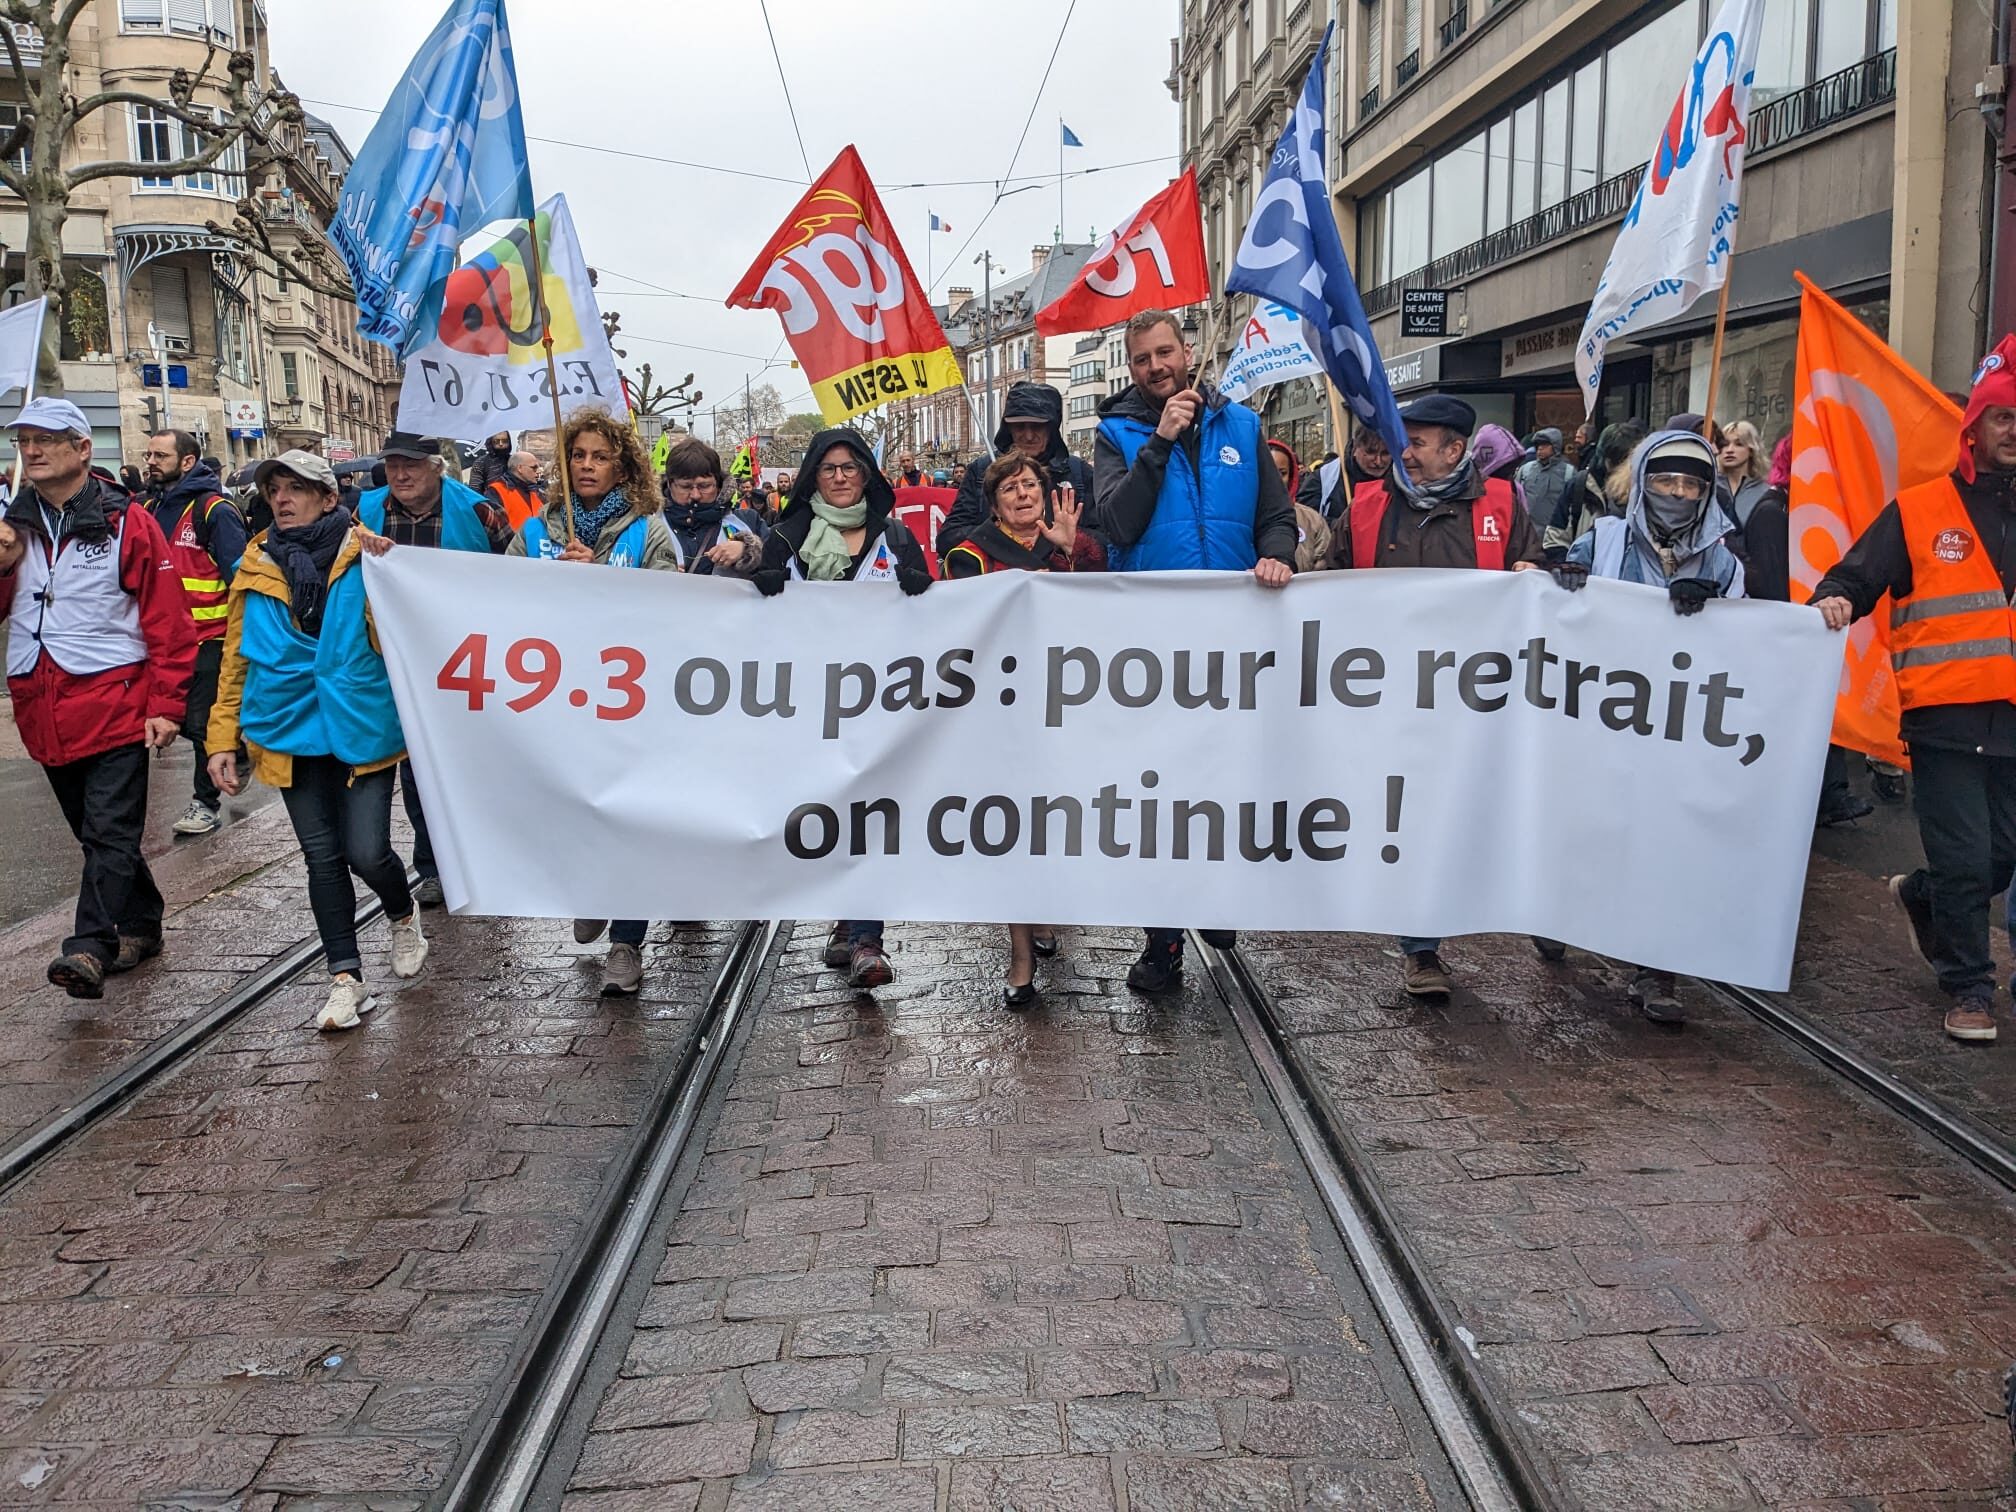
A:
{"points": [[941, 1255]]}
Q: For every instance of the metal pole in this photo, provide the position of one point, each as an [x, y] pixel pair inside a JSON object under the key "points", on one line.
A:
{"points": [[538, 279], [987, 281]]}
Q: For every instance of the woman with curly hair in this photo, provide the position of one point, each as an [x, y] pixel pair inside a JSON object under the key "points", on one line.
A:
{"points": [[618, 511], [619, 520]]}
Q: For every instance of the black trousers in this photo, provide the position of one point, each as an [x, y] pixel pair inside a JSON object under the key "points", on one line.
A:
{"points": [[104, 800], [345, 827], [1966, 808], [196, 721], [423, 848]]}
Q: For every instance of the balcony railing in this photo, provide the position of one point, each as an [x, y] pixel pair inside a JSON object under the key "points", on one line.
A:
{"points": [[1406, 69], [1368, 102], [1457, 24], [1821, 104]]}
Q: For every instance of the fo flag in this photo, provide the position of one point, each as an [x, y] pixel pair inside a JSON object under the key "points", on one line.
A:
{"points": [[859, 324], [485, 371], [1154, 262], [1864, 426], [1292, 255], [1680, 233], [446, 158]]}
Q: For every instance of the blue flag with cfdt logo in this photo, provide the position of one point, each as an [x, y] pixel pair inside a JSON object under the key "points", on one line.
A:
{"points": [[1292, 255], [446, 158]]}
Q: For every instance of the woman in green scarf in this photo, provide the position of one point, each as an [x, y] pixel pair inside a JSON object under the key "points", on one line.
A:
{"points": [[838, 527]]}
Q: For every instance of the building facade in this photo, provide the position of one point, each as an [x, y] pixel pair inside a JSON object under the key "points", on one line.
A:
{"points": [[1490, 151], [169, 321]]}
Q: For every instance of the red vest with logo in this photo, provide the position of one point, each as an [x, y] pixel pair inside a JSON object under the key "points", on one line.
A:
{"points": [[1491, 520], [202, 579]]}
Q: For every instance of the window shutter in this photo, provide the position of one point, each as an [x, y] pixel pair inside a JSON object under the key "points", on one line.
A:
{"points": [[171, 302], [144, 15], [224, 17], [188, 15]]}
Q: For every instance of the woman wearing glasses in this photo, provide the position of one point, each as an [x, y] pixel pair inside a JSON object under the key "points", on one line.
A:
{"points": [[708, 534], [838, 527]]}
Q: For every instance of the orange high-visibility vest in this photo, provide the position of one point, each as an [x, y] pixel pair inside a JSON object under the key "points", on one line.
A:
{"points": [[1953, 641], [203, 581]]}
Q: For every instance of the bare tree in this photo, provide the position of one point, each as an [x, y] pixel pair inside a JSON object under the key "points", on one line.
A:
{"points": [[51, 112], [654, 398]]}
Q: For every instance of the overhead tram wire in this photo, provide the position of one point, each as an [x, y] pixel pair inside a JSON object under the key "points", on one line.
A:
{"points": [[790, 104]]}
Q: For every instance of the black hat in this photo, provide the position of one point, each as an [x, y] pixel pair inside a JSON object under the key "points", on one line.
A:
{"points": [[406, 444], [1443, 410]]}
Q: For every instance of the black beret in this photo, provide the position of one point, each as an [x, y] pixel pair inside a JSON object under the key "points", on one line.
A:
{"points": [[1441, 409]]}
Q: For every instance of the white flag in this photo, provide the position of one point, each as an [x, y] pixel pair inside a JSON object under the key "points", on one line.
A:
{"points": [[1271, 349], [485, 371], [21, 345], [1677, 240]]}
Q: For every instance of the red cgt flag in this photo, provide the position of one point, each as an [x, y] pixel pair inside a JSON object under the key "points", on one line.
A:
{"points": [[861, 328], [1155, 261]]}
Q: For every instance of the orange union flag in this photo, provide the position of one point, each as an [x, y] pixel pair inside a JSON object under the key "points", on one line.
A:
{"points": [[857, 321], [1865, 426]]}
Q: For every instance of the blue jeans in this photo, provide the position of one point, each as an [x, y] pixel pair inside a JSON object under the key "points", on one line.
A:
{"points": [[1416, 944], [863, 932], [629, 931]]}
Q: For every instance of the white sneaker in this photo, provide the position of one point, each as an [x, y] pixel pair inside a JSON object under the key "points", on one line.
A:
{"points": [[588, 931], [409, 946], [349, 1000], [623, 971], [198, 819]]}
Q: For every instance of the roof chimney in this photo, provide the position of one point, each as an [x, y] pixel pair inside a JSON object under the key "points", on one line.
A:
{"points": [[1038, 256], [956, 299]]}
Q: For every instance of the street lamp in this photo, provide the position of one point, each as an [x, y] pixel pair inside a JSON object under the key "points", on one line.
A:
{"points": [[986, 261]]}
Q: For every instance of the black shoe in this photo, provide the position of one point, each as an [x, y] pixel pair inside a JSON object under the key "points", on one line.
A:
{"points": [[427, 892], [80, 975], [1844, 811], [1018, 997], [1920, 915], [839, 953], [1656, 995], [1045, 946], [1888, 786], [1219, 939], [1551, 951], [1157, 971], [133, 949]]}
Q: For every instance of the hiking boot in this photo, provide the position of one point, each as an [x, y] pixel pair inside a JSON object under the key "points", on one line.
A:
{"points": [[198, 819], [1656, 995], [1845, 811], [133, 949], [1551, 951], [588, 931], [1424, 975], [1219, 939], [1887, 786], [868, 967], [1972, 1017], [839, 953], [623, 970], [1156, 972], [409, 946], [80, 975], [1920, 915], [427, 892], [349, 1001]]}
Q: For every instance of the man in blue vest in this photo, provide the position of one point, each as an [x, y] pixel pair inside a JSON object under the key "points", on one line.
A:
{"points": [[1182, 481]]}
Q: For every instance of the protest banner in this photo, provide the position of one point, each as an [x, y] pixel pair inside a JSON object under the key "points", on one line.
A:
{"points": [[1429, 753], [922, 507], [486, 369], [859, 324]]}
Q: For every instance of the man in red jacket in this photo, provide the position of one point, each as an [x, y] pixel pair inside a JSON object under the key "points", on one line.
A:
{"points": [[99, 659]]}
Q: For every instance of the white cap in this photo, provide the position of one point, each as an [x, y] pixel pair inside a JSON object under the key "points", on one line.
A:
{"points": [[52, 415]]}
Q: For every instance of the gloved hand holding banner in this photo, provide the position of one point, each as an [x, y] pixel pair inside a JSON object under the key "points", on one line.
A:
{"points": [[1429, 753]]}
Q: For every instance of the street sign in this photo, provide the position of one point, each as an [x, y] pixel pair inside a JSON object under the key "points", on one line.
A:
{"points": [[244, 414], [1424, 312]]}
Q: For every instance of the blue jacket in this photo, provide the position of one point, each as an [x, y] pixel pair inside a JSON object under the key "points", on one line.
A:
{"points": [[1217, 501], [319, 695], [461, 528]]}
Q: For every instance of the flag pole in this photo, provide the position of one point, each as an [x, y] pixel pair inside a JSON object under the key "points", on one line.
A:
{"points": [[1715, 360], [538, 273], [1060, 181]]}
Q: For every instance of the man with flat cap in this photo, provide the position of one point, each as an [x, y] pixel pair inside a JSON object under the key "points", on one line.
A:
{"points": [[1443, 513]]}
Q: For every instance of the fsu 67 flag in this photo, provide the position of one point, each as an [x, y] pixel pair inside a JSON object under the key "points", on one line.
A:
{"points": [[858, 322]]}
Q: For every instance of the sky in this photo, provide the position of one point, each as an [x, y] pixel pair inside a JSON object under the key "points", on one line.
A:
{"points": [[929, 91]]}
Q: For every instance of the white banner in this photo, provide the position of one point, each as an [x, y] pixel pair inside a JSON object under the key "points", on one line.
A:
{"points": [[1270, 349], [1424, 753], [1680, 233], [486, 370]]}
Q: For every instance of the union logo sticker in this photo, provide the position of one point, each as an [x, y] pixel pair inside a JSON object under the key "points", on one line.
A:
{"points": [[1953, 545]]}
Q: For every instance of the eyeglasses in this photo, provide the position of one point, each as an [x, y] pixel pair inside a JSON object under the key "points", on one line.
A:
{"points": [[840, 469]]}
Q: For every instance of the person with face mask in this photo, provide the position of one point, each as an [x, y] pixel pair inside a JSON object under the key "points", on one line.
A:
{"points": [[1671, 537]]}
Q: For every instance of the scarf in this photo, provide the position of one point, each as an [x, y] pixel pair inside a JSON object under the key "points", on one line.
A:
{"points": [[589, 519], [688, 518], [1004, 550], [824, 553], [304, 557], [1460, 484]]}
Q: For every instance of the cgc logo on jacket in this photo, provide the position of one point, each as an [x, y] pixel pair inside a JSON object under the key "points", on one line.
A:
{"points": [[1229, 455], [1953, 545]]}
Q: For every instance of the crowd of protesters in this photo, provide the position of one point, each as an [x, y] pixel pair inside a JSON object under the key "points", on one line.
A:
{"points": [[158, 606]]}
